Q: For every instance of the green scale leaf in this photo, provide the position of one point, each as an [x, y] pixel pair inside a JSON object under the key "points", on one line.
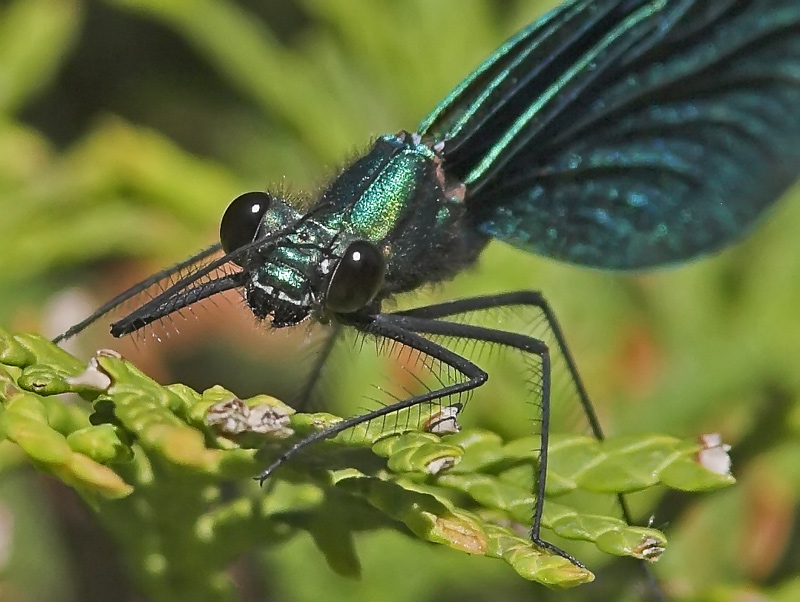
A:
{"points": [[169, 448]]}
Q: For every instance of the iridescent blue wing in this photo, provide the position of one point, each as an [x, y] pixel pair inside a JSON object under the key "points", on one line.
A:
{"points": [[627, 134]]}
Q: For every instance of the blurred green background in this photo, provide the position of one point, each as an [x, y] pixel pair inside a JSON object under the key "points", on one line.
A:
{"points": [[126, 126]]}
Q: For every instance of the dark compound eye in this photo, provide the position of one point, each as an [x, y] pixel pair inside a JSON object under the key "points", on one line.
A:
{"points": [[242, 217], [357, 278]]}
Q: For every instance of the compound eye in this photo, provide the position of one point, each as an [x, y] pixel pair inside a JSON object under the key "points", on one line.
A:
{"points": [[356, 279], [242, 218]]}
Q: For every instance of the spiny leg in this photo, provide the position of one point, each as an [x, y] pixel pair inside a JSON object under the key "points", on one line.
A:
{"points": [[404, 329], [303, 401], [137, 289], [381, 325], [532, 298], [527, 344], [536, 299]]}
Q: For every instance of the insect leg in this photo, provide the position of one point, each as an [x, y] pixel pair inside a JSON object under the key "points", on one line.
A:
{"points": [[407, 329], [423, 323], [304, 399], [537, 300]]}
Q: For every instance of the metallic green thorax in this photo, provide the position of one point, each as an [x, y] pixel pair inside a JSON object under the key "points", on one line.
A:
{"points": [[398, 169], [395, 196]]}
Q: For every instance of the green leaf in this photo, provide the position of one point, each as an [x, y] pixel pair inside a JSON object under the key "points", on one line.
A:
{"points": [[35, 36], [174, 448]]}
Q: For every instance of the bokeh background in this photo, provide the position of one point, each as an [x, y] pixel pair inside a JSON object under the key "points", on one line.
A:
{"points": [[126, 126]]}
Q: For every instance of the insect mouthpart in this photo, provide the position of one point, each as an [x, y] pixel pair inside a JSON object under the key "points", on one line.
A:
{"points": [[269, 301]]}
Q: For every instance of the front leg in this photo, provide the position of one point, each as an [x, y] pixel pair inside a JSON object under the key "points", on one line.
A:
{"points": [[408, 330], [383, 325], [417, 321]]}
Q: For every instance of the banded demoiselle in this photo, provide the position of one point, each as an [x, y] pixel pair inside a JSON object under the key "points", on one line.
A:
{"points": [[616, 134]]}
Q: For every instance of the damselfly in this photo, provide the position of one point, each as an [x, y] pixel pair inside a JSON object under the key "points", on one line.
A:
{"points": [[617, 134]]}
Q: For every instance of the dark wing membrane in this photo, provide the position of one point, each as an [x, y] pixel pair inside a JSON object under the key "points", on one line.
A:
{"points": [[659, 133], [529, 59]]}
